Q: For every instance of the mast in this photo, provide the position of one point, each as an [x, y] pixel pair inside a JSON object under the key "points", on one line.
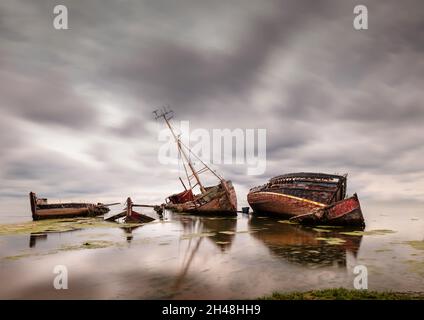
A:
{"points": [[163, 114]]}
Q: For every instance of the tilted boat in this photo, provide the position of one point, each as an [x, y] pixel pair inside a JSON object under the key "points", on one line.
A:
{"points": [[217, 199], [309, 198], [41, 209]]}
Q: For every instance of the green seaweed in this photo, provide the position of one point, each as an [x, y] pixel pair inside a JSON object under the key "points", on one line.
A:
{"points": [[368, 233], [383, 250], [418, 245], [416, 266], [287, 222], [196, 235], [321, 230], [234, 232], [92, 244], [332, 241], [60, 225]]}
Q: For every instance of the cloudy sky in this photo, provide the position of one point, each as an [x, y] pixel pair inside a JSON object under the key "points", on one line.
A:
{"points": [[76, 105]]}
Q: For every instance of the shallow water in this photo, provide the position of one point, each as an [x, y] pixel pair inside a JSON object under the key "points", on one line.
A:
{"points": [[184, 257]]}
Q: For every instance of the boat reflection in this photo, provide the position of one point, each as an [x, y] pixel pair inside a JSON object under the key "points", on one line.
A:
{"points": [[315, 247], [197, 230], [36, 237], [194, 226], [128, 232]]}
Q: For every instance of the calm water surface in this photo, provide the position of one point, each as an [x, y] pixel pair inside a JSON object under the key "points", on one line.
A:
{"points": [[213, 258]]}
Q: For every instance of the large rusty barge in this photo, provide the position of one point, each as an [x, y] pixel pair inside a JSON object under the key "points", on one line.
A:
{"points": [[308, 198]]}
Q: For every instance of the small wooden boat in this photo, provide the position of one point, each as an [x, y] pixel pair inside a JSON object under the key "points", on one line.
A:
{"points": [[217, 199], [41, 209], [318, 197]]}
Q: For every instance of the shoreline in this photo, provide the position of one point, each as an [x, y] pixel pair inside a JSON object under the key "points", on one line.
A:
{"points": [[343, 294]]}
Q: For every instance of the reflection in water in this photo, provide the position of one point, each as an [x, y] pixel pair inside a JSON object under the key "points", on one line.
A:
{"points": [[34, 237], [298, 244], [216, 224], [210, 258], [128, 232], [195, 228]]}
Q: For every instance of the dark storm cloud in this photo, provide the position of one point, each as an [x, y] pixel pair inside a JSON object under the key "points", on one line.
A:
{"points": [[46, 98], [331, 98], [185, 76]]}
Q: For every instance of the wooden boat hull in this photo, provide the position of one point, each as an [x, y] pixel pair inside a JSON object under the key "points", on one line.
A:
{"points": [[280, 204], [346, 212], [223, 202]]}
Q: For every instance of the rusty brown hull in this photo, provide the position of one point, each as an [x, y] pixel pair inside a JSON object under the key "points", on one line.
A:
{"points": [[280, 204], [223, 202]]}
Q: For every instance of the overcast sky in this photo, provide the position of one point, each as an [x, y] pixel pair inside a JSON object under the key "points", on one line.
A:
{"points": [[76, 105]]}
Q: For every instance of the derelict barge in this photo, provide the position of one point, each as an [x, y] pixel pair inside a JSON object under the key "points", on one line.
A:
{"points": [[41, 209]]}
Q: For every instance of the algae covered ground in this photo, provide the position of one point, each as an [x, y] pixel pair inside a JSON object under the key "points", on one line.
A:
{"points": [[344, 294], [58, 225]]}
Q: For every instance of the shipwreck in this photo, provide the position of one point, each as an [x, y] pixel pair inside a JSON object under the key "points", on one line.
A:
{"points": [[216, 199], [308, 198], [41, 209]]}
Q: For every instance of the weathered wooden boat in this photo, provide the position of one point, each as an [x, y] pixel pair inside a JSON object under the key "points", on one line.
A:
{"points": [[310, 198], [41, 209], [217, 199]]}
